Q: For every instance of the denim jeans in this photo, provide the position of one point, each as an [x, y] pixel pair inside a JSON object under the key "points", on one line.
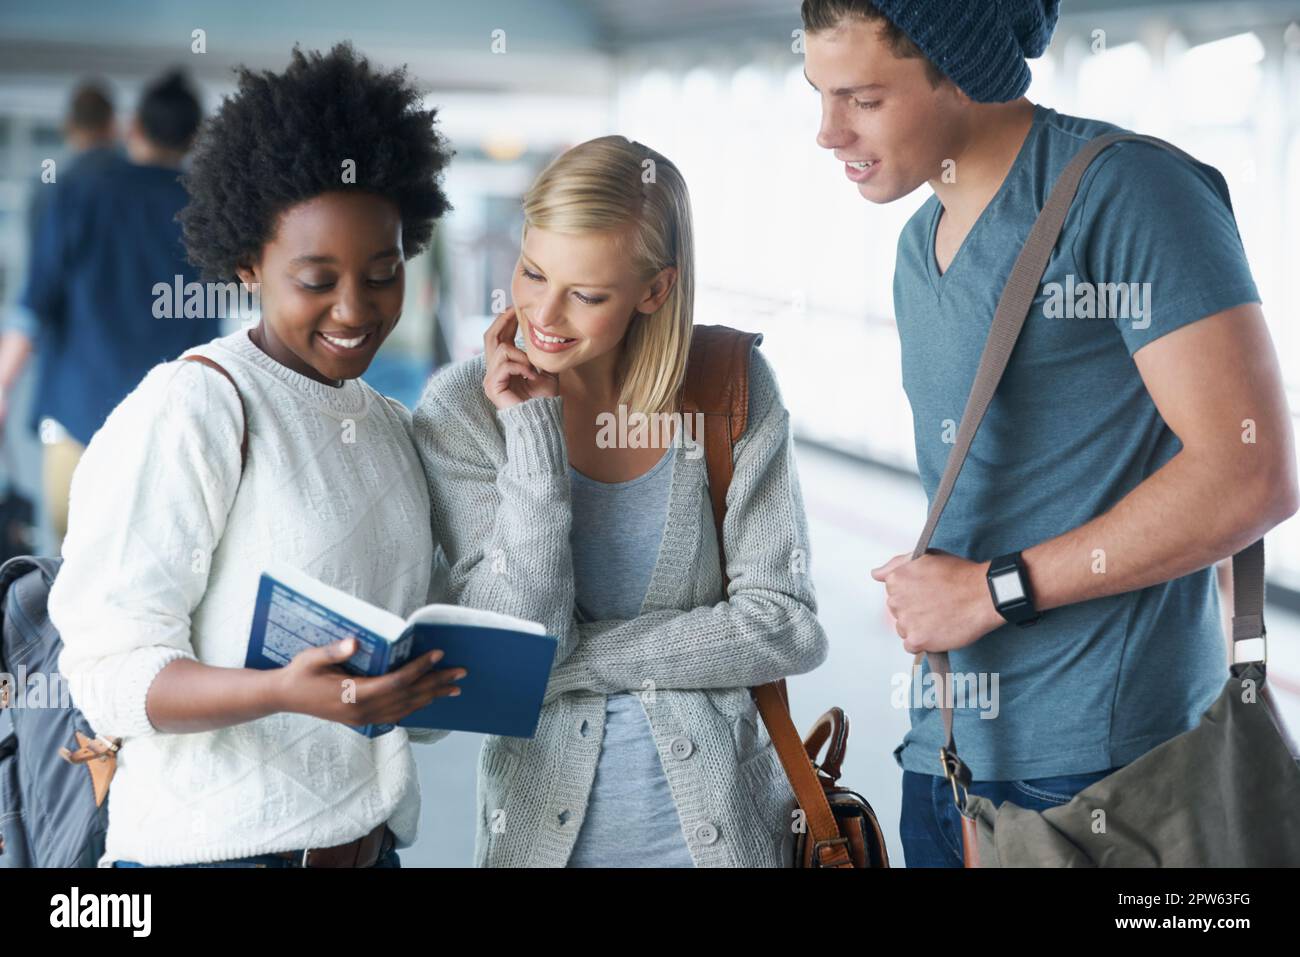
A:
{"points": [[930, 825], [265, 860]]}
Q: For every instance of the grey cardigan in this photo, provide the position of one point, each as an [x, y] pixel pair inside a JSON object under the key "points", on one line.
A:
{"points": [[500, 511]]}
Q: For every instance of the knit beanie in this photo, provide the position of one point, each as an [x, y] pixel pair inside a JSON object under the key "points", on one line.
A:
{"points": [[980, 45]]}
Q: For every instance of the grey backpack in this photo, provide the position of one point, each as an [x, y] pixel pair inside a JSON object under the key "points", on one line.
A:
{"points": [[52, 812]]}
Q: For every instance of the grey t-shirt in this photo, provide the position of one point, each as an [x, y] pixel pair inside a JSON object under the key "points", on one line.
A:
{"points": [[1070, 431], [631, 819]]}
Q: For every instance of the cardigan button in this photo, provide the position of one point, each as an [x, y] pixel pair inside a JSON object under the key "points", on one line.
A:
{"points": [[681, 748], [582, 728], [706, 833]]}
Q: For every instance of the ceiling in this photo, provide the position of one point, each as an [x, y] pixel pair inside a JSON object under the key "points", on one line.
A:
{"points": [[624, 24], [554, 46]]}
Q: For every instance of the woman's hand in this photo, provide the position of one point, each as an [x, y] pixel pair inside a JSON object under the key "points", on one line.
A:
{"points": [[510, 378], [315, 683]]}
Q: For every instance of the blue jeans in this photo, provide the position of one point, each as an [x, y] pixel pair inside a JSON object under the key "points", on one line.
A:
{"points": [[266, 860], [930, 825]]}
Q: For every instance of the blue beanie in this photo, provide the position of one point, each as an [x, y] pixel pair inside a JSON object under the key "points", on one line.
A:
{"points": [[980, 45]]}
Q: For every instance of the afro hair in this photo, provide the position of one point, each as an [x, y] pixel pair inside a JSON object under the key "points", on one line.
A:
{"points": [[284, 138]]}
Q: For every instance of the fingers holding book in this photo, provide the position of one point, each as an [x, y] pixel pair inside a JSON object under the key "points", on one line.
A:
{"points": [[315, 683]]}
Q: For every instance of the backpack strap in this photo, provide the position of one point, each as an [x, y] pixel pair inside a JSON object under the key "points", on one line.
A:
{"points": [[99, 754], [212, 364], [18, 566], [717, 388]]}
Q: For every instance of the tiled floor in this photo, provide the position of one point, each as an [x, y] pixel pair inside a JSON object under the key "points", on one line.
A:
{"points": [[859, 517]]}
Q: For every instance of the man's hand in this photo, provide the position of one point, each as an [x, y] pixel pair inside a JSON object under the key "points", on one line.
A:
{"points": [[939, 601]]}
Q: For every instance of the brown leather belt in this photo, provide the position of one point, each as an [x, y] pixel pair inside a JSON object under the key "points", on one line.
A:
{"points": [[363, 852]]}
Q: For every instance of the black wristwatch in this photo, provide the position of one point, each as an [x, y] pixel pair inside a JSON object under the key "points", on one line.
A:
{"points": [[1009, 586]]}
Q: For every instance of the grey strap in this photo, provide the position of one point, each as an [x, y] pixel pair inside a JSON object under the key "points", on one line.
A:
{"points": [[1013, 308]]}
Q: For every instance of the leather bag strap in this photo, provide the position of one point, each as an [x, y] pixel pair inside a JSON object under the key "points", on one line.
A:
{"points": [[717, 388]]}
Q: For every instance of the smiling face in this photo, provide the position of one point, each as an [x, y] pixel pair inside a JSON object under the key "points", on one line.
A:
{"points": [[332, 284], [576, 294], [881, 116]]}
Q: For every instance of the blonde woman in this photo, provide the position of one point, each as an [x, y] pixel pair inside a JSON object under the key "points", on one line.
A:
{"points": [[649, 751]]}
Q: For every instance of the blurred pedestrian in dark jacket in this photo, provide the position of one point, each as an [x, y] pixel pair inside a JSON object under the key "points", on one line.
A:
{"points": [[106, 237]]}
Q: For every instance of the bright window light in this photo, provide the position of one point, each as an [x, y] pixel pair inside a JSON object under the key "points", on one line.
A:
{"points": [[796, 84], [700, 87], [1220, 80], [656, 86], [1107, 79], [749, 86], [1240, 50], [1042, 87]]}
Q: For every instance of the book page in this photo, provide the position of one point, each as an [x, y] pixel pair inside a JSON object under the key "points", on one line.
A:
{"points": [[371, 617], [459, 615]]}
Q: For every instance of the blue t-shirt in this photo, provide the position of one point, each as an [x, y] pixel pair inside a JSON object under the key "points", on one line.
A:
{"points": [[631, 819], [1070, 431]]}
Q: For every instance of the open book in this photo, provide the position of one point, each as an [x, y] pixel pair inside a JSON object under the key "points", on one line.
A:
{"points": [[508, 660]]}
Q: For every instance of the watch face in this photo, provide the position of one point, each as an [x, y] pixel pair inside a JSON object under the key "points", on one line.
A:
{"points": [[1007, 587]]}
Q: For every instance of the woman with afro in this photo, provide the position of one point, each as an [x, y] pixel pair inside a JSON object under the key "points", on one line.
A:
{"points": [[314, 186]]}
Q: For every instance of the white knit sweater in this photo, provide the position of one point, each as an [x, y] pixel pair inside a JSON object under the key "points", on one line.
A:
{"points": [[165, 544]]}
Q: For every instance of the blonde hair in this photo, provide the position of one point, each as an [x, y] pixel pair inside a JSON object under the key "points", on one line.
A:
{"points": [[610, 184]]}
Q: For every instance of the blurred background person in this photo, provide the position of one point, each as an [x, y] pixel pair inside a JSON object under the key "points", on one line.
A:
{"points": [[104, 239], [89, 134]]}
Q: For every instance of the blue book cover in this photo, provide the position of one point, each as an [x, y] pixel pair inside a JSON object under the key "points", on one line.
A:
{"points": [[507, 660]]}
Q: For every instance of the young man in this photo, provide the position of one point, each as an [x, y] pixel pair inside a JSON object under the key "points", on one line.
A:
{"points": [[1126, 450], [90, 135], [106, 237]]}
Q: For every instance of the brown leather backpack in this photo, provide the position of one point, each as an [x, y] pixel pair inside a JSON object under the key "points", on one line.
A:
{"points": [[841, 829]]}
